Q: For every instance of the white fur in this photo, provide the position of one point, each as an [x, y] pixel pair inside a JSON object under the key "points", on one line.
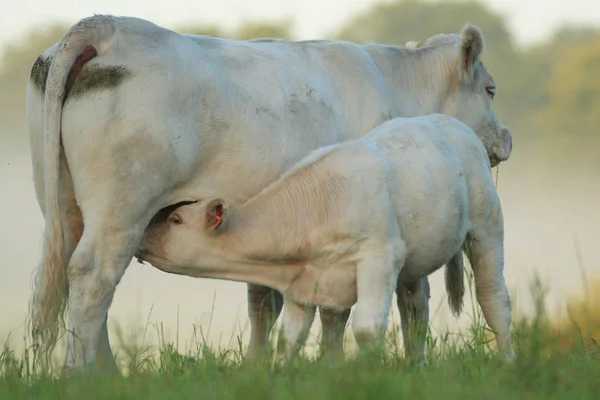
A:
{"points": [[350, 222], [199, 116]]}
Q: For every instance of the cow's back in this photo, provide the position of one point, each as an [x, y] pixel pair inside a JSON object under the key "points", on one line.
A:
{"points": [[323, 79], [202, 109], [277, 101]]}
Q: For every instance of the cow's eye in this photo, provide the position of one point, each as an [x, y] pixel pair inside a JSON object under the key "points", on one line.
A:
{"points": [[491, 91], [175, 219]]}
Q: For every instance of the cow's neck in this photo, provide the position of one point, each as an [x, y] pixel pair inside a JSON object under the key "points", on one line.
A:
{"points": [[421, 81]]}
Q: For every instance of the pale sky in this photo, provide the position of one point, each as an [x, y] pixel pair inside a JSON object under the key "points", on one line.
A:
{"points": [[530, 20]]}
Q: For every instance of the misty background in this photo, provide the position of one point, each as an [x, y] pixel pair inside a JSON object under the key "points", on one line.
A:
{"points": [[548, 94]]}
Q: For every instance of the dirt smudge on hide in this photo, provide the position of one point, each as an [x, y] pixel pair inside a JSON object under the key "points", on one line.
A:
{"points": [[93, 78], [39, 72]]}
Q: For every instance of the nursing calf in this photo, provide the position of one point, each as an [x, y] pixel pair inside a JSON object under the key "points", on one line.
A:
{"points": [[350, 224]]}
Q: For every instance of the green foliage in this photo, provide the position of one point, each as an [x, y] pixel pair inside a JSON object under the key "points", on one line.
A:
{"points": [[574, 88], [540, 61], [565, 98]]}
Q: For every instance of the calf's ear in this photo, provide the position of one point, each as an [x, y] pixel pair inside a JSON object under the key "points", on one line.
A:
{"points": [[216, 211], [471, 47]]}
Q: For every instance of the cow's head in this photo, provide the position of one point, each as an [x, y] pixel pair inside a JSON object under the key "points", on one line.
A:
{"points": [[471, 88], [182, 236]]}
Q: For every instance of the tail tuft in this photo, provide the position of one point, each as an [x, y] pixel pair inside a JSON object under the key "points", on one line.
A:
{"points": [[455, 286]]}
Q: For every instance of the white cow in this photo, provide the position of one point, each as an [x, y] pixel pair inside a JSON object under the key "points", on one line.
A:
{"points": [[347, 223], [127, 118]]}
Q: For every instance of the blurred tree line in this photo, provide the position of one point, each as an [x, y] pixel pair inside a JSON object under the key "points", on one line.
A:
{"points": [[548, 94]]}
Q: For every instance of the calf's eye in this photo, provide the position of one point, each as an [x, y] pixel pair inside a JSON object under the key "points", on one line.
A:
{"points": [[491, 91], [175, 219]]}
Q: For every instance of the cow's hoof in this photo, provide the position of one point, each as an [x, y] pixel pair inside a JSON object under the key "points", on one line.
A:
{"points": [[419, 363], [71, 372], [279, 363], [509, 357]]}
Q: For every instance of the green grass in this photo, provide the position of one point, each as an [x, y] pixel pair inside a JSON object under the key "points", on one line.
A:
{"points": [[461, 366]]}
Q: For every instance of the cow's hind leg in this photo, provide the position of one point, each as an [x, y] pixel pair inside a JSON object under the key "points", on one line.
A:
{"points": [[96, 267], [264, 307], [105, 358], [413, 305], [73, 231], [333, 325]]}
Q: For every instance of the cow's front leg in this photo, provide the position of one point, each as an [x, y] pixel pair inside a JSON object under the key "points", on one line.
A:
{"points": [[413, 305], [297, 320], [332, 333], [264, 307]]}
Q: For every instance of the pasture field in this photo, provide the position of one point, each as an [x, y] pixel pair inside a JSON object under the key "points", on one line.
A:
{"points": [[552, 364]]}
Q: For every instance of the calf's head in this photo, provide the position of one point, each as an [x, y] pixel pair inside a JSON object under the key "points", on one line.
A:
{"points": [[182, 235], [470, 88]]}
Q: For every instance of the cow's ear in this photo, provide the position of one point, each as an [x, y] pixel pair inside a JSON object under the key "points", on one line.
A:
{"points": [[471, 47], [216, 212], [413, 45]]}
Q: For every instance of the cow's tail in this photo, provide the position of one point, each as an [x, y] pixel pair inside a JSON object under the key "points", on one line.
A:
{"points": [[86, 39], [455, 286]]}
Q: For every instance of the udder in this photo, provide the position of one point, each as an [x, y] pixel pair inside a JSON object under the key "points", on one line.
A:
{"points": [[332, 286]]}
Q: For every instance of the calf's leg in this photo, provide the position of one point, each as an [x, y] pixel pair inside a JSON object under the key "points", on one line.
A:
{"points": [[376, 278], [485, 250], [413, 305], [297, 320]]}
